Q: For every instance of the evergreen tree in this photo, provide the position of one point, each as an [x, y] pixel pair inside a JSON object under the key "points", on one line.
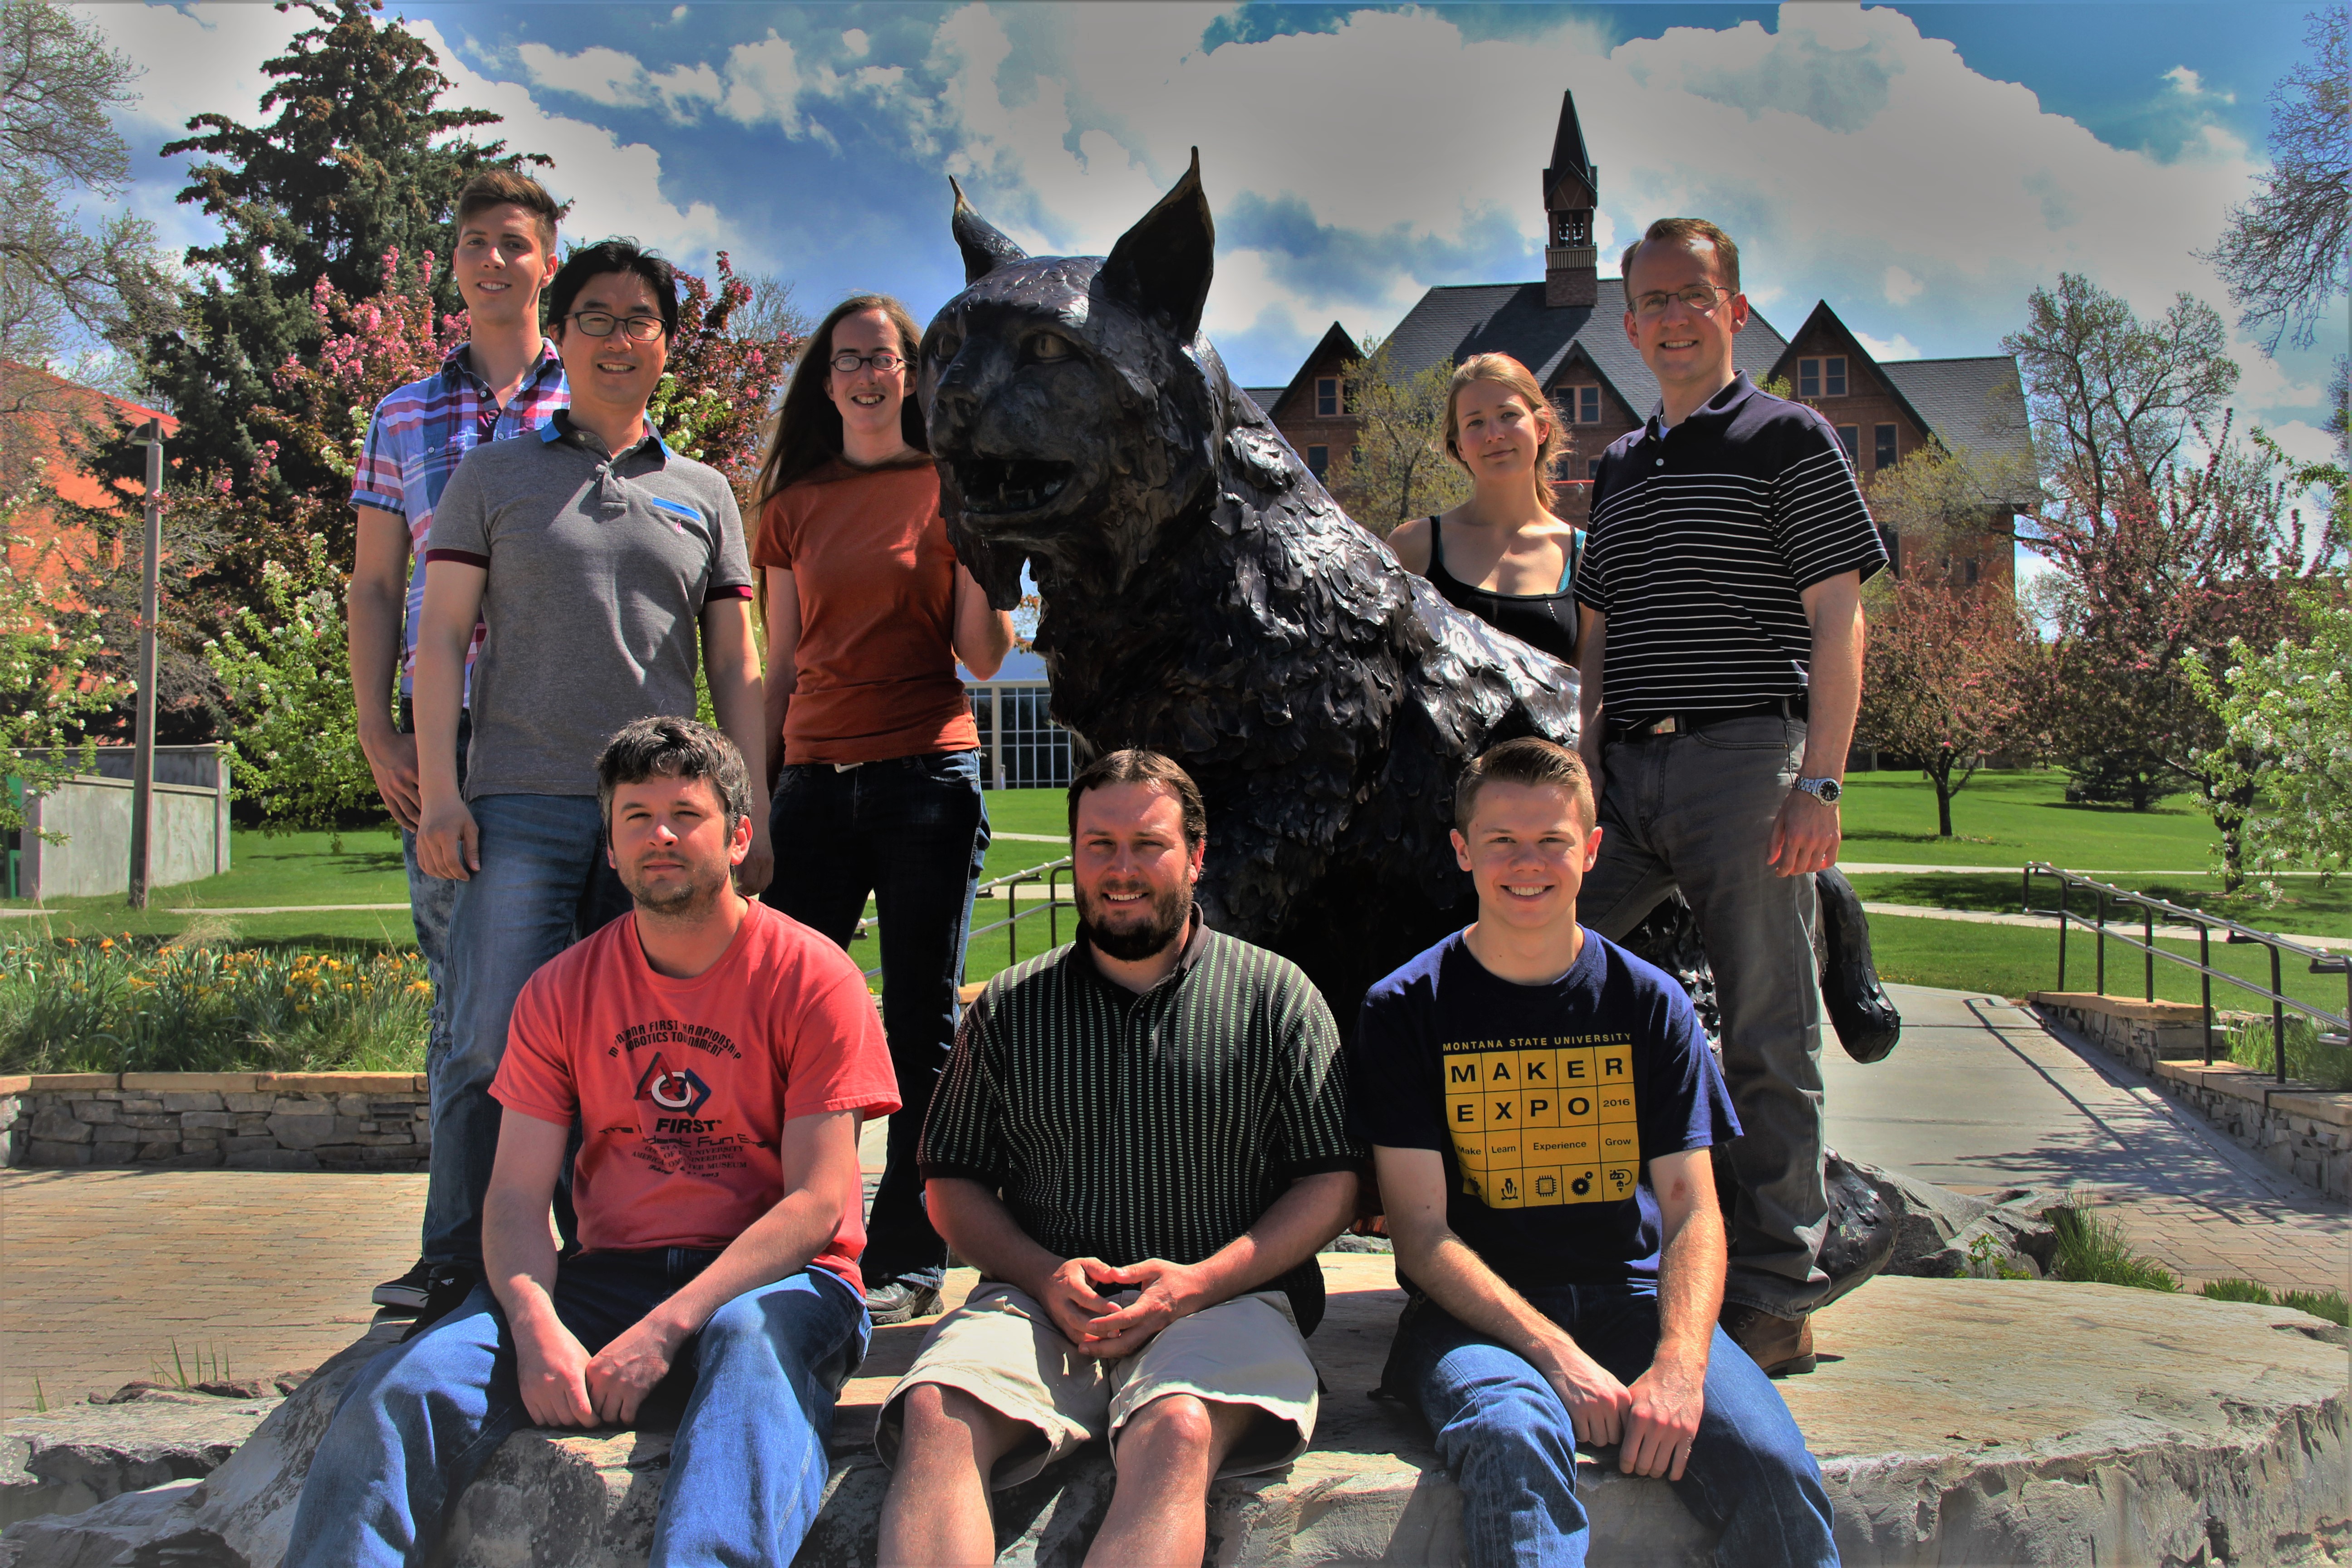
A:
{"points": [[358, 162]]}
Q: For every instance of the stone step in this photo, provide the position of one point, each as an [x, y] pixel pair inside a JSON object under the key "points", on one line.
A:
{"points": [[1958, 1421]]}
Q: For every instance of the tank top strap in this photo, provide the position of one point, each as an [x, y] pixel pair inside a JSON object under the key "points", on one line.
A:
{"points": [[1437, 571]]}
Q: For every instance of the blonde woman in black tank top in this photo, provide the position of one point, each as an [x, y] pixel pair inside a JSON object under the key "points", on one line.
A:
{"points": [[1501, 556]]}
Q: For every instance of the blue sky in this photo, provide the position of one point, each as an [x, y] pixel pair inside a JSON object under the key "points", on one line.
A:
{"points": [[1921, 167]]}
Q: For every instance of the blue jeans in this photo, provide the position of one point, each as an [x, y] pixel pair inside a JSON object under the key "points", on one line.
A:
{"points": [[543, 884], [430, 899], [1694, 810], [1504, 1433], [746, 1472], [913, 832]]}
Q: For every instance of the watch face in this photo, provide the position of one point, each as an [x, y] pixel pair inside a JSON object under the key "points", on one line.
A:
{"points": [[1828, 790]]}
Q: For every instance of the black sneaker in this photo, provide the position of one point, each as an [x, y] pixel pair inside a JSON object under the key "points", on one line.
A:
{"points": [[450, 1285], [409, 1291], [897, 1302]]}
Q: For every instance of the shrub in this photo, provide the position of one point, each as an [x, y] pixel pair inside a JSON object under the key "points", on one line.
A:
{"points": [[112, 1005], [2092, 1250], [2329, 1067], [2328, 1304]]}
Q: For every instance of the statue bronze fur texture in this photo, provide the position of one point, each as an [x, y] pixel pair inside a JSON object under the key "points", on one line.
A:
{"points": [[1206, 598]]}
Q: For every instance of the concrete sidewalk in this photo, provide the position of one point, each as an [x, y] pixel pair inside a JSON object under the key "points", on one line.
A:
{"points": [[1980, 1096]]}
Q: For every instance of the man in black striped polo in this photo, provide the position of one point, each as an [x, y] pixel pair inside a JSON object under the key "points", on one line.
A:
{"points": [[1722, 640], [1141, 1139]]}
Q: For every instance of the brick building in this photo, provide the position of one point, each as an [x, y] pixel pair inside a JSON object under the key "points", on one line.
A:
{"points": [[1568, 331]]}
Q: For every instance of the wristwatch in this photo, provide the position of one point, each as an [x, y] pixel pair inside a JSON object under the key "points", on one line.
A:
{"points": [[1826, 791]]}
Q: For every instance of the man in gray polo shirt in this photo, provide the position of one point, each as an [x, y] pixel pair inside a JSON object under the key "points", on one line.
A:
{"points": [[603, 563]]}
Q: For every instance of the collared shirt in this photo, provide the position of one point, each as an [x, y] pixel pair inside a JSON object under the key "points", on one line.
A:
{"points": [[1703, 540], [1123, 1126], [419, 435], [599, 564]]}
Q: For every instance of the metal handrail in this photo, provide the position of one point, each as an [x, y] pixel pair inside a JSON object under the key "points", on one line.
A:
{"points": [[2233, 934], [1048, 872]]}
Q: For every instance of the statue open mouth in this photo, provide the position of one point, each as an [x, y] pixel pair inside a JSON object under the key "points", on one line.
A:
{"points": [[1007, 486]]}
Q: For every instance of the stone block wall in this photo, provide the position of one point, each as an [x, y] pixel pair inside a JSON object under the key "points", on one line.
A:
{"points": [[268, 1122], [2302, 1130]]}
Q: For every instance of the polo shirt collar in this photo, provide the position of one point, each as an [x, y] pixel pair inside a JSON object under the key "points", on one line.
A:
{"points": [[1195, 943], [1721, 406], [560, 427]]}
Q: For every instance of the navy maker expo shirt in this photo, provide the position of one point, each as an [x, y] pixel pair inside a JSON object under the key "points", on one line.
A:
{"points": [[1547, 1104]]}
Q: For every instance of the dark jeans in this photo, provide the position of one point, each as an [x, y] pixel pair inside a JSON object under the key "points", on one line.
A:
{"points": [[1505, 1435], [747, 1470], [1695, 811], [543, 884], [912, 832]]}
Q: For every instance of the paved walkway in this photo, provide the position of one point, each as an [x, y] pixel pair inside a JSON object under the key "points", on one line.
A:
{"points": [[1980, 1094], [101, 1271]]}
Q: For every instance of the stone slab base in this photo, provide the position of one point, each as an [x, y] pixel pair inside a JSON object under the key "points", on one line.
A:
{"points": [[1958, 1421]]}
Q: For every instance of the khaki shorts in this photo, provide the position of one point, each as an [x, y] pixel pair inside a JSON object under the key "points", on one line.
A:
{"points": [[1001, 1349]]}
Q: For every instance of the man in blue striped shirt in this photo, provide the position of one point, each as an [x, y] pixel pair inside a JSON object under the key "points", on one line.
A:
{"points": [[1721, 642]]}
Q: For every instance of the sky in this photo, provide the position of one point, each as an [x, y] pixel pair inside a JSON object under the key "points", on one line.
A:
{"points": [[1921, 167]]}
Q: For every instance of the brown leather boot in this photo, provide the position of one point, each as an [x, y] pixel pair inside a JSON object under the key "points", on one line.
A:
{"points": [[1780, 1346]]}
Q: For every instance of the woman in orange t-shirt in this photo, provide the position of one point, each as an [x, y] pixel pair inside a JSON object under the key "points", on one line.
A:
{"points": [[877, 778]]}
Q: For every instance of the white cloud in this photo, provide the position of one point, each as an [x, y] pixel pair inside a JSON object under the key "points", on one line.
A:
{"points": [[2188, 84], [1901, 286], [611, 77], [1883, 349]]}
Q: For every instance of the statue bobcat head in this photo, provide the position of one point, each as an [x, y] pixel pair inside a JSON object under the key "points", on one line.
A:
{"points": [[1075, 411]]}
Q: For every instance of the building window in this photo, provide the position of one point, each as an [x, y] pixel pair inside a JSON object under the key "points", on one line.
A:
{"points": [[1578, 404], [1894, 542], [1970, 573], [1592, 470], [1319, 460], [1883, 456], [1849, 438], [1821, 377], [1326, 397]]}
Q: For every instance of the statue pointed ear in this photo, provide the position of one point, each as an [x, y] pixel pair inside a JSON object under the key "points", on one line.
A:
{"points": [[985, 249], [1161, 266]]}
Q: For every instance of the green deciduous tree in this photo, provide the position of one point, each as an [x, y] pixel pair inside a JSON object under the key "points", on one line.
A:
{"points": [[50, 641], [284, 668], [1397, 468], [2286, 749]]}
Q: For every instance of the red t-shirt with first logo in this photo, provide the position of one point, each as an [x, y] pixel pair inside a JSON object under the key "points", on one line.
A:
{"points": [[682, 1086]]}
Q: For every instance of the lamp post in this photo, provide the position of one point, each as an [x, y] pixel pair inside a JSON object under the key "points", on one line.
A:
{"points": [[143, 754]]}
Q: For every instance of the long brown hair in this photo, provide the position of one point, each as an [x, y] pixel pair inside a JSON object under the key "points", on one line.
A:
{"points": [[808, 426], [1505, 370]]}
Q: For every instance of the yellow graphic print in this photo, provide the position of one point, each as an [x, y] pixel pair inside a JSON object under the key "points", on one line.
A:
{"points": [[1544, 1120]]}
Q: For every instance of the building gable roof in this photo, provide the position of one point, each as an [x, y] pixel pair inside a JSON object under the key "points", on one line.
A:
{"points": [[1512, 318], [1977, 403], [1336, 343]]}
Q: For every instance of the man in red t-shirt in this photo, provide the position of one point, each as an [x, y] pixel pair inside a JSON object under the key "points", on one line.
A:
{"points": [[720, 1056]]}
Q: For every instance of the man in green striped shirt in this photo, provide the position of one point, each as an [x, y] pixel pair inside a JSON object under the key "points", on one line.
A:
{"points": [[1142, 1140]]}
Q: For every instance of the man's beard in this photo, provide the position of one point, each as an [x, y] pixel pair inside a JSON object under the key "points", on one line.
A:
{"points": [[687, 897], [1169, 912]]}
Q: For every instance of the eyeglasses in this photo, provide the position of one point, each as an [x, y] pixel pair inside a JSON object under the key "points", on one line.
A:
{"points": [[1698, 297], [599, 325], [847, 360]]}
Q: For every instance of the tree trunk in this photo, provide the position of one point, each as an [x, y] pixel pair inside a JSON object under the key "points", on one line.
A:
{"points": [[1940, 773]]}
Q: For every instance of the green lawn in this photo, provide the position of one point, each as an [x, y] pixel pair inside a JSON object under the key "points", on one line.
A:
{"points": [[2305, 906], [2012, 960], [2009, 818]]}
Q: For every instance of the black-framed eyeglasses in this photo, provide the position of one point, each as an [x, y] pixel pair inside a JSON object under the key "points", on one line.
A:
{"points": [[599, 325], [883, 361], [1698, 297]]}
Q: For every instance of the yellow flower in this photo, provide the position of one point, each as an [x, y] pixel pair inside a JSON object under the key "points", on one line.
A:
{"points": [[107, 945]]}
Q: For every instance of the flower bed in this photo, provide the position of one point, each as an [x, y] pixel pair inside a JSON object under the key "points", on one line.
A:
{"points": [[120, 1004]]}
